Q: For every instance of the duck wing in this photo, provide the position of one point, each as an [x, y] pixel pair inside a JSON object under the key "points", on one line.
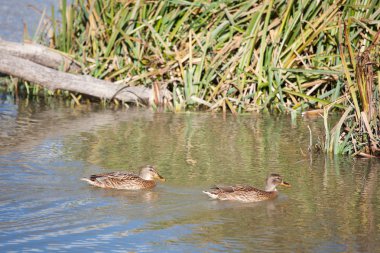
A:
{"points": [[243, 193], [117, 180], [232, 188], [115, 176]]}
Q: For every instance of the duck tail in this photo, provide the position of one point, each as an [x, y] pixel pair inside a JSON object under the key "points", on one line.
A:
{"points": [[210, 194], [89, 181]]}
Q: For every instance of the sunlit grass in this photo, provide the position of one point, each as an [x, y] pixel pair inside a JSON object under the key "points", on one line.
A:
{"points": [[229, 55]]}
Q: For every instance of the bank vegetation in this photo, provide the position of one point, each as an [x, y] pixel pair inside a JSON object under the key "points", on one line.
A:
{"points": [[235, 56]]}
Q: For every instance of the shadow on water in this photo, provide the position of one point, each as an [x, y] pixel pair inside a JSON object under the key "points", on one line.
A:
{"points": [[332, 206]]}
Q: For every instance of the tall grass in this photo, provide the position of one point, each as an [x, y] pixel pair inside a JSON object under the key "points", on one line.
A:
{"points": [[357, 133], [223, 55]]}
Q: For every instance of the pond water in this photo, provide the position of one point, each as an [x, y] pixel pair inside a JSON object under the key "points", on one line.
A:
{"points": [[46, 147], [17, 13]]}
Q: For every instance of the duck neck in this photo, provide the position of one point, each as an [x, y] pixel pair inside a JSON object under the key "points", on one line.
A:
{"points": [[146, 177], [270, 188]]}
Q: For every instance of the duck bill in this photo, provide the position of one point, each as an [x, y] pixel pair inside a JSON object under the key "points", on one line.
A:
{"points": [[161, 178], [285, 184]]}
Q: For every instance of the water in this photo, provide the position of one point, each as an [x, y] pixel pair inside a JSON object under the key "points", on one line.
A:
{"points": [[46, 147], [14, 14]]}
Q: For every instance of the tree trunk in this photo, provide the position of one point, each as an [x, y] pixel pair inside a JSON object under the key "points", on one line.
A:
{"points": [[39, 64], [39, 54]]}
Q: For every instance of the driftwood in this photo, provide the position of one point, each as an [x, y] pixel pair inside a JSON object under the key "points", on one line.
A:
{"points": [[38, 64], [39, 54]]}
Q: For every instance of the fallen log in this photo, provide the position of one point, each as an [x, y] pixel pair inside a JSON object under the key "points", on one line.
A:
{"points": [[40, 54], [53, 80]]}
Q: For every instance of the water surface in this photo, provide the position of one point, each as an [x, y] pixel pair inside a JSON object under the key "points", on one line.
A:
{"points": [[17, 13], [46, 147]]}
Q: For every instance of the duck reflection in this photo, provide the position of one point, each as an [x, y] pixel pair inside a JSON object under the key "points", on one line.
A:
{"points": [[128, 197]]}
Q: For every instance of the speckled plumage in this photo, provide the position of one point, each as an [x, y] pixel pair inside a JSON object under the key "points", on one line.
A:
{"points": [[245, 193], [125, 180]]}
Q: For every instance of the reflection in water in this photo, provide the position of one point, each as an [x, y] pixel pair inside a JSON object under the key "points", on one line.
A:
{"points": [[367, 208], [333, 205]]}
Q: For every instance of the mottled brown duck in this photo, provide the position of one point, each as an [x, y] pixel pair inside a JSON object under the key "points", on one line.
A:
{"points": [[126, 181], [245, 193]]}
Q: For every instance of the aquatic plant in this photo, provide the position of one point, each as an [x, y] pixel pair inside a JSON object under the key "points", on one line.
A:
{"points": [[230, 55], [357, 132]]}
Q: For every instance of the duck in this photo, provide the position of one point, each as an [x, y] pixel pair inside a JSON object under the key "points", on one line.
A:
{"points": [[246, 193], [125, 180]]}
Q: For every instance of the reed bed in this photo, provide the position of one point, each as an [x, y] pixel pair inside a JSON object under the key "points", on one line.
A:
{"points": [[358, 130], [237, 56], [221, 55]]}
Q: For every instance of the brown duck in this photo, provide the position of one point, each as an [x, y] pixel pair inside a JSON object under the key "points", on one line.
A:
{"points": [[126, 181], [246, 193]]}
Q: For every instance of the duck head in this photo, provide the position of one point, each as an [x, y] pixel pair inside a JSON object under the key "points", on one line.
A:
{"points": [[149, 172], [273, 181]]}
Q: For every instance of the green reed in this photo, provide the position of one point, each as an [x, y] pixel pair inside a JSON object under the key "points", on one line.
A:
{"points": [[230, 55], [357, 132]]}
